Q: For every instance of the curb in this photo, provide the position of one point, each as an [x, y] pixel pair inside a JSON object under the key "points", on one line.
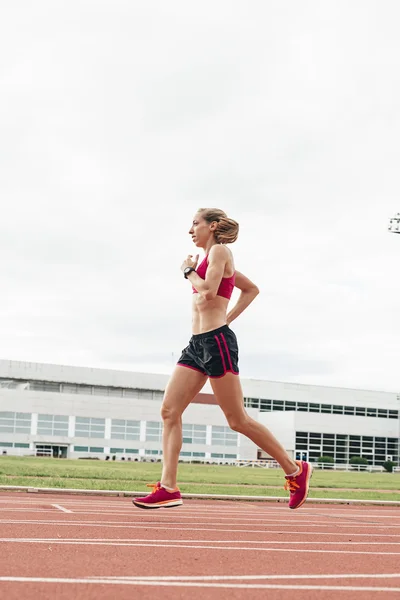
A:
{"points": [[121, 493]]}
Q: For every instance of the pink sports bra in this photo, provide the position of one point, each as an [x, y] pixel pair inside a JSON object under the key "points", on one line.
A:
{"points": [[225, 287]]}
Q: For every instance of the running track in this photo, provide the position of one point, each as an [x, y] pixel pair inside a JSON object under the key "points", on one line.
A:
{"points": [[95, 548]]}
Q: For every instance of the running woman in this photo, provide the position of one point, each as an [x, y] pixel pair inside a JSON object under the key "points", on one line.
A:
{"points": [[213, 353]]}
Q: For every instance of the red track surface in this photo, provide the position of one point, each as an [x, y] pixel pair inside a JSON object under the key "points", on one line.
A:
{"points": [[99, 548]]}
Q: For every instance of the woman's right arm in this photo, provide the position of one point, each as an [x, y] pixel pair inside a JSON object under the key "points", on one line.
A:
{"points": [[248, 291]]}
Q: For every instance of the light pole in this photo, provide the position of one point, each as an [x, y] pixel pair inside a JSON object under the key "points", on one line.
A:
{"points": [[398, 438], [394, 227]]}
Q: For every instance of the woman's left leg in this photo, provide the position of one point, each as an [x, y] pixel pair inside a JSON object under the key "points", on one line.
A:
{"points": [[228, 393]]}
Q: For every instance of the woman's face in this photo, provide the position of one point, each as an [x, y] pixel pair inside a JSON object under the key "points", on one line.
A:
{"points": [[201, 231]]}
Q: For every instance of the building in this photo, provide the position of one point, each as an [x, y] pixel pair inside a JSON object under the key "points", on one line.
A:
{"points": [[77, 412]]}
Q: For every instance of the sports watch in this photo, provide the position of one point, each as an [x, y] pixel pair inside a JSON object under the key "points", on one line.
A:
{"points": [[187, 271]]}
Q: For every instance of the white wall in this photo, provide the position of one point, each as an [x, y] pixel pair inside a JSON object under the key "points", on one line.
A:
{"points": [[117, 408], [254, 388], [312, 393], [285, 424], [83, 375]]}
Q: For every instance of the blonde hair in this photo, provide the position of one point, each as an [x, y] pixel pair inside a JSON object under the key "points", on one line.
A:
{"points": [[227, 230]]}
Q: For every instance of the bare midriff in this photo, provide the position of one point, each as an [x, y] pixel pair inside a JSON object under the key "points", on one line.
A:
{"points": [[208, 314]]}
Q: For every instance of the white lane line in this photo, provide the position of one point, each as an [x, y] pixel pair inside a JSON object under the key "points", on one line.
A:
{"points": [[27, 510], [244, 513], [189, 518], [59, 507], [255, 577], [262, 531], [186, 527], [140, 582], [113, 541], [249, 509], [241, 521], [158, 546], [227, 507]]}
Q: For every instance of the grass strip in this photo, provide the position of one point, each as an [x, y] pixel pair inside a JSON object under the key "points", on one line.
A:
{"points": [[195, 478], [194, 488]]}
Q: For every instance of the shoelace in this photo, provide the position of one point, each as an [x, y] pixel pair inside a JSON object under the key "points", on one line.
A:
{"points": [[155, 487], [291, 485]]}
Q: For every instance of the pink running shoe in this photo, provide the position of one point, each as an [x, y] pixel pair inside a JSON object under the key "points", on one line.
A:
{"points": [[159, 498], [298, 484]]}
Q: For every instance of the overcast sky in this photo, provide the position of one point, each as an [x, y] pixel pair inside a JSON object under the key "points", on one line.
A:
{"points": [[120, 118]]}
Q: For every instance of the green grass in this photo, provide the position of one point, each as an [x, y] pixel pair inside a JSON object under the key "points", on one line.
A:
{"points": [[203, 479]]}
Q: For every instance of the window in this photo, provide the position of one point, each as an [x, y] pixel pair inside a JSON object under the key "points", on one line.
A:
{"points": [[349, 410], [265, 405], [145, 394], [302, 406], [142, 394], [326, 408], [92, 449], [194, 434], [193, 454], [20, 445], [153, 431], [100, 391], [14, 384], [315, 407], [115, 391], [52, 425], [223, 436], [89, 427], [121, 450], [277, 405], [354, 444], [69, 388], [393, 414], [253, 402], [44, 386], [337, 410], [6, 444], [360, 412], [342, 447], [11, 422], [125, 430], [290, 405], [371, 412], [84, 389]]}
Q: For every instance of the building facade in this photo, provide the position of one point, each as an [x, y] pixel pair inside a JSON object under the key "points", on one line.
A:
{"points": [[63, 411]]}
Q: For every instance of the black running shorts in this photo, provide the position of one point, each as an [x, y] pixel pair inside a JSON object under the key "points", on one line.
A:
{"points": [[213, 353]]}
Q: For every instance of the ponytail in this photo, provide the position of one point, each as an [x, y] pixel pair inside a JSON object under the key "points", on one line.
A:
{"points": [[227, 230]]}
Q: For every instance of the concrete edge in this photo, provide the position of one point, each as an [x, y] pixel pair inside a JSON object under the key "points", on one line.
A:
{"points": [[121, 493]]}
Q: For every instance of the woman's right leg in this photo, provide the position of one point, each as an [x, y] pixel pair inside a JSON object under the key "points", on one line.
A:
{"points": [[183, 386]]}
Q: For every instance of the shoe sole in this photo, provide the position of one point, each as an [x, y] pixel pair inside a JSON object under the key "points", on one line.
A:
{"points": [[309, 475], [153, 506]]}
